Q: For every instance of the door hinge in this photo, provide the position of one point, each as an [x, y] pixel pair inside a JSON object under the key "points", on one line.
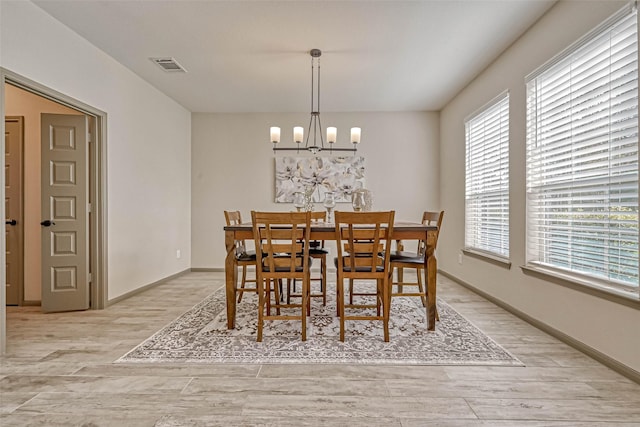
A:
{"points": [[90, 277], [88, 207]]}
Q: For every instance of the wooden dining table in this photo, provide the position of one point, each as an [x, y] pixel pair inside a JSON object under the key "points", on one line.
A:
{"points": [[402, 230]]}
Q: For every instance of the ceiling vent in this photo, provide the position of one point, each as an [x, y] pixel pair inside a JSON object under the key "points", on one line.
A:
{"points": [[169, 65]]}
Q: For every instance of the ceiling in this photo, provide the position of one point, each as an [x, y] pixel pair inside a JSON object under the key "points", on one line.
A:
{"points": [[252, 56]]}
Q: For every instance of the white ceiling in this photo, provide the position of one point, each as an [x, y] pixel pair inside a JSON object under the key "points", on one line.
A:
{"points": [[252, 56]]}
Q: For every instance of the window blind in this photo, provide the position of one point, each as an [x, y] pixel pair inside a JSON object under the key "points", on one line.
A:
{"points": [[582, 159], [487, 179]]}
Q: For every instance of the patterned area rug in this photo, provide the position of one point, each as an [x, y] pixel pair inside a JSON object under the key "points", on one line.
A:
{"points": [[200, 336]]}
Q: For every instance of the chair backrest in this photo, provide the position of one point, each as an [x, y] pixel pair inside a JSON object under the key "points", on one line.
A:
{"points": [[282, 243], [235, 218], [318, 216], [430, 218], [364, 242]]}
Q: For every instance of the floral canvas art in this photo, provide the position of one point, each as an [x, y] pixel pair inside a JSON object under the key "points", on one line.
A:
{"points": [[339, 175]]}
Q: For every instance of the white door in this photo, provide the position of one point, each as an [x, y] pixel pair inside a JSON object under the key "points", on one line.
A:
{"points": [[65, 211], [13, 142]]}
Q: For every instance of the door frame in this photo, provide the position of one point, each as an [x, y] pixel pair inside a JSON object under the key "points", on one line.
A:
{"points": [[98, 287], [20, 219]]}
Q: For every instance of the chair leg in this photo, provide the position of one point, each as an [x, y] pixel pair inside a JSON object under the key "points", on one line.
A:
{"points": [[351, 291], [277, 290], [379, 295], [267, 293], [260, 308], [305, 303], [340, 286], [421, 288], [338, 296], [242, 283], [323, 268], [309, 300], [386, 308], [400, 279]]}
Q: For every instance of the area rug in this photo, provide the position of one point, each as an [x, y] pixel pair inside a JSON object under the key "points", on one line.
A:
{"points": [[201, 336]]}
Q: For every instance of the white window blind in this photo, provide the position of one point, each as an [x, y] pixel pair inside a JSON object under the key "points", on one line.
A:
{"points": [[582, 159], [487, 179]]}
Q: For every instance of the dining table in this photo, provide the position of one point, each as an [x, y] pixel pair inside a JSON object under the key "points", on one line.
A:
{"points": [[402, 230]]}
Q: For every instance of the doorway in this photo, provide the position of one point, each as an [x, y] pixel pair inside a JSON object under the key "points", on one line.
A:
{"points": [[28, 190], [95, 206]]}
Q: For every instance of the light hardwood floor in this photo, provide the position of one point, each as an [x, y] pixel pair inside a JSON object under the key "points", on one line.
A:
{"points": [[59, 371]]}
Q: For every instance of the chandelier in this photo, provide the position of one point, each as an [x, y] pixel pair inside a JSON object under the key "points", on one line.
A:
{"points": [[315, 127]]}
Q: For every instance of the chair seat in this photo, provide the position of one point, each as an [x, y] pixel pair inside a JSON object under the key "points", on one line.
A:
{"points": [[247, 256], [364, 269], [318, 251], [407, 257]]}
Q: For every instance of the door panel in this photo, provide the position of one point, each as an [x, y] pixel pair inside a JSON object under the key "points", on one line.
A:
{"points": [[65, 233], [13, 208]]}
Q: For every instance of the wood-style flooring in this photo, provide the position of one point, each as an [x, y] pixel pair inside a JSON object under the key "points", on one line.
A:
{"points": [[59, 371]]}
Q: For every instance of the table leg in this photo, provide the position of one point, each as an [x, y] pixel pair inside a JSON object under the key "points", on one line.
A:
{"points": [[430, 272], [231, 272]]}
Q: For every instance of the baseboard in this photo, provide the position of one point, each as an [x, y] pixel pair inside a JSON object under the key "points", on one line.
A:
{"points": [[31, 303], [145, 288], [606, 360]]}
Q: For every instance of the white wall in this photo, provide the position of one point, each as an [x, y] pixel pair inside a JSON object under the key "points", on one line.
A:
{"points": [[233, 167], [603, 325], [148, 143]]}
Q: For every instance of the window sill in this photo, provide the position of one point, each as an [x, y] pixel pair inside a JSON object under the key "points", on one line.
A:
{"points": [[494, 259], [609, 294]]}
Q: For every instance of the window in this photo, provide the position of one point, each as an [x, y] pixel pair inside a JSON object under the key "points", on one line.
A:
{"points": [[582, 159], [487, 179]]}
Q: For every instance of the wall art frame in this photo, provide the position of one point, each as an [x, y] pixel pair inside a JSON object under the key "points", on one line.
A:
{"points": [[339, 175]]}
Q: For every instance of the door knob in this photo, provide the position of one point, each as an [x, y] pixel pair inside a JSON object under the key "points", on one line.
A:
{"points": [[47, 223], [11, 222]]}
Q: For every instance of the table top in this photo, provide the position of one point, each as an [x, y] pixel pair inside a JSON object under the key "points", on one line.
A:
{"points": [[327, 226]]}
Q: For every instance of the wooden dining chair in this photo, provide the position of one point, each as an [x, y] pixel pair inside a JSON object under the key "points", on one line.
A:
{"points": [[244, 257], [401, 259], [282, 248], [317, 250], [363, 241]]}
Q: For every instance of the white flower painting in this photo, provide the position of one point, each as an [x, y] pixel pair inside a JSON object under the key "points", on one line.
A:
{"points": [[340, 175]]}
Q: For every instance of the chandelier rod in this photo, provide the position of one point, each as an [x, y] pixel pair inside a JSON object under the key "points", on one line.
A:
{"points": [[312, 83], [314, 121]]}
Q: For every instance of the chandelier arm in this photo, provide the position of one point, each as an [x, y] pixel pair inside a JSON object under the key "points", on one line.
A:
{"points": [[350, 150], [306, 142], [320, 126], [315, 130], [290, 149]]}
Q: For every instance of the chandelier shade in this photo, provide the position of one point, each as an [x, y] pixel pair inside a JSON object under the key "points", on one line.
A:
{"points": [[314, 143]]}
